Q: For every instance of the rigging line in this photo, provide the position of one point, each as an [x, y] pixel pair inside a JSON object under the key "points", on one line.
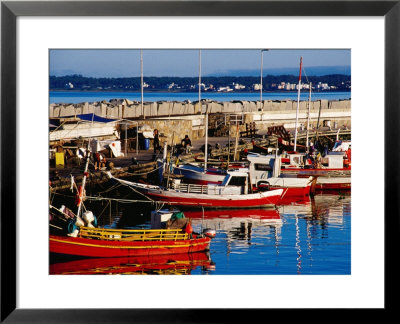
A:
{"points": [[58, 126], [76, 125], [51, 199], [147, 201], [119, 199], [60, 194], [51, 206], [130, 187], [160, 207], [108, 203], [115, 186], [305, 74], [138, 174]]}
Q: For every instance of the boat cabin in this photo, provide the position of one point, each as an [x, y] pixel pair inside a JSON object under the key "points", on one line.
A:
{"points": [[235, 183], [262, 167], [333, 160]]}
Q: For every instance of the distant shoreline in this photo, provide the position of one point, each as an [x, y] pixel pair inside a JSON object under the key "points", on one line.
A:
{"points": [[203, 92]]}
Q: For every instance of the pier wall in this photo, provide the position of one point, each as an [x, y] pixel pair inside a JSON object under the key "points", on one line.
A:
{"points": [[173, 130], [175, 119]]}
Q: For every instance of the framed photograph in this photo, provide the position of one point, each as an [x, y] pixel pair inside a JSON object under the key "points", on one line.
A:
{"points": [[55, 57]]}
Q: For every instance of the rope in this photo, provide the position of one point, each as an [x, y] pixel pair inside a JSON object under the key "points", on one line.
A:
{"points": [[98, 217], [138, 192], [51, 206], [119, 199], [115, 186], [158, 203]]}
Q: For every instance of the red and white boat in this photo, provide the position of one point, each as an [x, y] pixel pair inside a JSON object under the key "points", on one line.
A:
{"points": [[333, 172], [263, 171], [233, 192]]}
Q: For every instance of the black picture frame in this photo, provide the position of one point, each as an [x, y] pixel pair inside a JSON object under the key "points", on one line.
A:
{"points": [[10, 10]]}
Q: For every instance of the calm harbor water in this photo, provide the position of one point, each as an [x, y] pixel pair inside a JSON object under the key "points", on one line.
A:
{"points": [[95, 96], [313, 238]]}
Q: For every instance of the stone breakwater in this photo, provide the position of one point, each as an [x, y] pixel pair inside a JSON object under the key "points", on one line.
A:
{"points": [[119, 109], [176, 119]]}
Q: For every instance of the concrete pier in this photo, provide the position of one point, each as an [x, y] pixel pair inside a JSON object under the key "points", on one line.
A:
{"points": [[175, 119]]}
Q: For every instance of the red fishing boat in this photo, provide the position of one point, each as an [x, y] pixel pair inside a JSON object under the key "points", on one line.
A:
{"points": [[101, 242], [263, 172], [233, 192], [333, 172]]}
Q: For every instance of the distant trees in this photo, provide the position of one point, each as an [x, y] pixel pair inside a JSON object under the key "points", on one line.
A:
{"points": [[270, 82]]}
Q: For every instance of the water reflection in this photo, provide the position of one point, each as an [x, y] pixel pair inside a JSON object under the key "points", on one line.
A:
{"points": [[322, 225], [310, 237], [176, 264]]}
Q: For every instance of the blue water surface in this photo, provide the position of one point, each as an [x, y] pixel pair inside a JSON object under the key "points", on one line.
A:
{"points": [[95, 96], [311, 239]]}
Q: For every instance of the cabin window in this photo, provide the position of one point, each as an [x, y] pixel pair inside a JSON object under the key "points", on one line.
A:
{"points": [[262, 167], [237, 181], [296, 160]]}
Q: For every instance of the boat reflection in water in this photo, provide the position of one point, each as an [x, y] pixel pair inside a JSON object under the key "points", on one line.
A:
{"points": [[326, 208], [175, 264], [239, 224]]}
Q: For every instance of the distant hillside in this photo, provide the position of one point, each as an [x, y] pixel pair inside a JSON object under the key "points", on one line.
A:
{"points": [[338, 82], [310, 71]]}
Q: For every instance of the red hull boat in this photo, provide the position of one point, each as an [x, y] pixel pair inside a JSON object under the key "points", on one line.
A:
{"points": [[210, 196], [119, 243]]}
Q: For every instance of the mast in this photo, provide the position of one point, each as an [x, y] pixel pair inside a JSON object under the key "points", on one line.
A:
{"points": [[308, 117], [236, 140], [82, 187], [261, 78], [206, 118], [141, 80], [201, 111], [206, 144], [298, 104], [85, 174]]}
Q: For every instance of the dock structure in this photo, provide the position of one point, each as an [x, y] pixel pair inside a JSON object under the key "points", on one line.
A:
{"points": [[240, 123], [174, 120], [60, 180]]}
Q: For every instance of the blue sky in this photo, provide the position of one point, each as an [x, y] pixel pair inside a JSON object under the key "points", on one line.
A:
{"points": [[126, 63]]}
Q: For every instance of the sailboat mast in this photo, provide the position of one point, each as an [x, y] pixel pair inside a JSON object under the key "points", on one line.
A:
{"points": [[85, 173], [201, 112], [82, 187], [141, 81], [308, 117], [206, 117], [261, 78], [298, 104]]}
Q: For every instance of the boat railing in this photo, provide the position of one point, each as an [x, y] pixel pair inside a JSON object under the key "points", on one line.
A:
{"points": [[133, 235], [192, 188]]}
